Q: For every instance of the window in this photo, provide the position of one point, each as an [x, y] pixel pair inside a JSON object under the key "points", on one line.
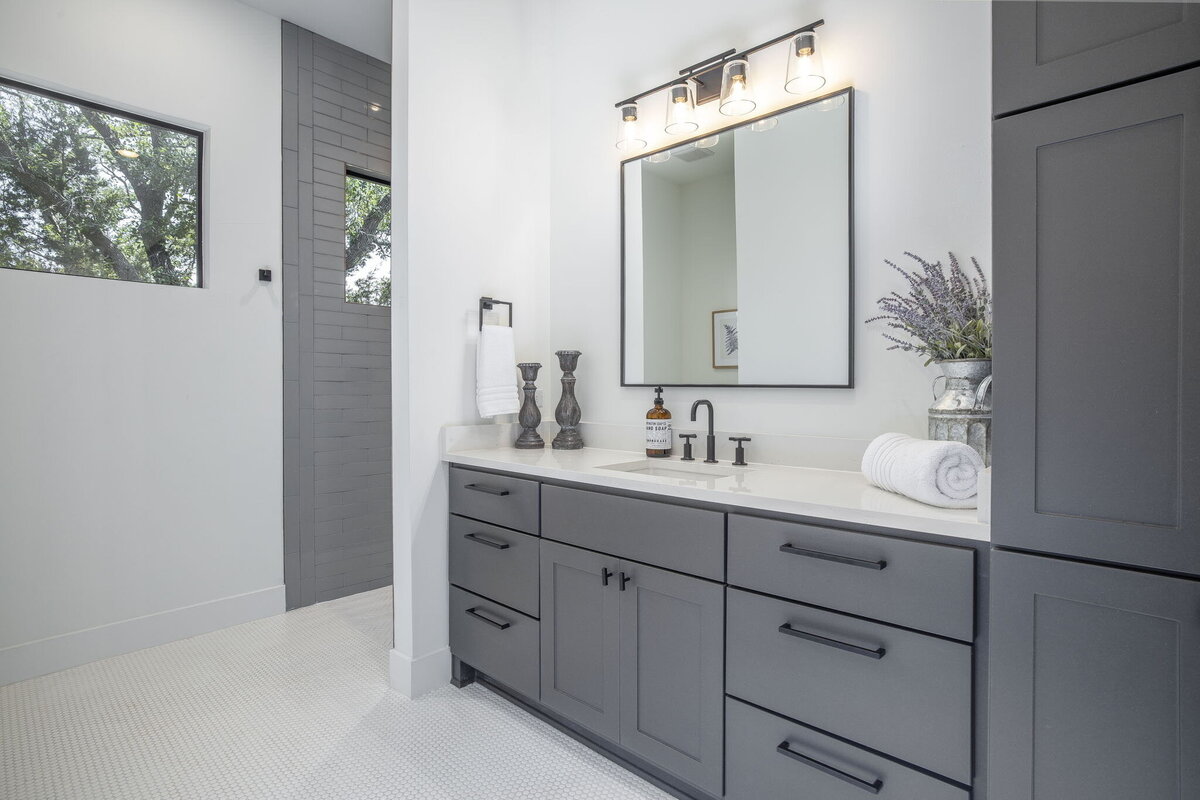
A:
{"points": [[87, 190], [368, 240]]}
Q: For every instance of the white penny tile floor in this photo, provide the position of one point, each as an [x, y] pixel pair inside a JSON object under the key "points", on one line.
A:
{"points": [[294, 706]]}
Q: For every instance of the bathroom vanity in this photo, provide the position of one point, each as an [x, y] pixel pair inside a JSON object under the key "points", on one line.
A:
{"points": [[757, 633]]}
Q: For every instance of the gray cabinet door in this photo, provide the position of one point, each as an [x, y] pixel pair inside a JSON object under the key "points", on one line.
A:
{"points": [[1095, 682], [1045, 51], [1097, 281], [673, 672], [580, 643]]}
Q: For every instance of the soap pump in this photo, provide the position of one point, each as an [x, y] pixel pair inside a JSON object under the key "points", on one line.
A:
{"points": [[658, 429]]}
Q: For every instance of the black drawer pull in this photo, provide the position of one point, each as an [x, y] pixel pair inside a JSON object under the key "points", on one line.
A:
{"points": [[849, 648], [476, 487], [479, 537], [605, 574], [854, 562], [624, 580], [867, 786], [474, 612]]}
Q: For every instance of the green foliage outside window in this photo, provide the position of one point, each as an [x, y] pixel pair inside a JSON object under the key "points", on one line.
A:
{"points": [[368, 241], [91, 192]]}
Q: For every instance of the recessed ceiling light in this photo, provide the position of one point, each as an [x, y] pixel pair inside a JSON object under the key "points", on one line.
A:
{"points": [[124, 153]]}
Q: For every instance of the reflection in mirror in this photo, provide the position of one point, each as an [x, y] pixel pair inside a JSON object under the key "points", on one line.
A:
{"points": [[737, 257]]}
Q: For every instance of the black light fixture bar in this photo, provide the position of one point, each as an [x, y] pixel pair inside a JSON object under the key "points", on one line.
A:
{"points": [[702, 72]]}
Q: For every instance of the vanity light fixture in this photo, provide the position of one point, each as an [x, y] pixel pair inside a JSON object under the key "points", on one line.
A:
{"points": [[737, 98], [629, 132], [681, 113], [806, 69], [724, 77]]}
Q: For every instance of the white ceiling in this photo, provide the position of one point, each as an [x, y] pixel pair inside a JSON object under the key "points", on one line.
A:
{"points": [[365, 25]]}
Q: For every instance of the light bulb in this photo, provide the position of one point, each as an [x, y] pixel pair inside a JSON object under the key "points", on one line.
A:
{"points": [[737, 98], [629, 132], [681, 113], [806, 70]]}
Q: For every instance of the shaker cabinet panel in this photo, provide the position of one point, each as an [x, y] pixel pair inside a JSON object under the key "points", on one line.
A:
{"points": [[1047, 50], [1097, 271], [580, 644], [1095, 682], [672, 672]]}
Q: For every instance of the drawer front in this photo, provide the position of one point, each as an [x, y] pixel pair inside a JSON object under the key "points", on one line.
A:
{"points": [[689, 540], [495, 640], [899, 692], [768, 757], [930, 587], [495, 562], [498, 499]]}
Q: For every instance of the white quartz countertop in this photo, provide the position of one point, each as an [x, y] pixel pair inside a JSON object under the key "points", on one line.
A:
{"points": [[826, 493]]}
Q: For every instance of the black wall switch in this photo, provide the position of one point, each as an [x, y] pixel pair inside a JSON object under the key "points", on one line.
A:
{"points": [[264, 275]]}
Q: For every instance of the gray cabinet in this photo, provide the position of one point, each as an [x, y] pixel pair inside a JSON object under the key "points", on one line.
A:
{"points": [[1097, 265], [1095, 682], [580, 646], [634, 654], [1046, 51], [672, 672]]}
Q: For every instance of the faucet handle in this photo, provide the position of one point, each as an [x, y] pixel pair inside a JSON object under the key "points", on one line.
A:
{"points": [[687, 446], [739, 457]]}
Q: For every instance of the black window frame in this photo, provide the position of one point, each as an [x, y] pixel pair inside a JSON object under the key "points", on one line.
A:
{"points": [[363, 175], [201, 144]]}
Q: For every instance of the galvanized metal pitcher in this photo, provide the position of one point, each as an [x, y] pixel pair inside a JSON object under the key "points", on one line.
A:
{"points": [[963, 411]]}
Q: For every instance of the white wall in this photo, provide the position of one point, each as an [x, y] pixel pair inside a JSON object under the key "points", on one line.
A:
{"points": [[709, 278], [141, 435], [660, 202], [476, 224], [922, 158]]}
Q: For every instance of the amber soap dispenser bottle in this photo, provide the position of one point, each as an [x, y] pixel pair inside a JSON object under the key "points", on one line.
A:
{"points": [[659, 436]]}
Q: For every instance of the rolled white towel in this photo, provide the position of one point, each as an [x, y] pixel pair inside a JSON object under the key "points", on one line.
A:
{"points": [[942, 474], [496, 372]]}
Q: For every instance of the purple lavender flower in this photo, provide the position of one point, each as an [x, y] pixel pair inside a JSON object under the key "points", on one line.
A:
{"points": [[945, 314]]}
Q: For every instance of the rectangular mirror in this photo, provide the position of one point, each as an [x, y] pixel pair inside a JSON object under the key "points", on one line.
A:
{"points": [[737, 264]]}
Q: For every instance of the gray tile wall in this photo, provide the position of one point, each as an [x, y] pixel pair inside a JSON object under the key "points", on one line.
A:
{"points": [[337, 517]]}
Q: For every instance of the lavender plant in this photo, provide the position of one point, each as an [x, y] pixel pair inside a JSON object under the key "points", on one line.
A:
{"points": [[945, 314]]}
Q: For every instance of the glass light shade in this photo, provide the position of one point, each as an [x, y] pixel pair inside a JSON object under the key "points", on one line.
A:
{"points": [[806, 69], [764, 124], [659, 157], [737, 98], [681, 112], [708, 142], [629, 132]]}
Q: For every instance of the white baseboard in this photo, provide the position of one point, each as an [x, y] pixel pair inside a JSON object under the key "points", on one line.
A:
{"points": [[413, 677], [55, 653]]}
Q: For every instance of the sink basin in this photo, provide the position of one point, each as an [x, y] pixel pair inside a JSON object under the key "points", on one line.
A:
{"points": [[671, 469]]}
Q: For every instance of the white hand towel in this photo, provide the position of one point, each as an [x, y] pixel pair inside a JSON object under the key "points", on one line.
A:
{"points": [[496, 372], [942, 474]]}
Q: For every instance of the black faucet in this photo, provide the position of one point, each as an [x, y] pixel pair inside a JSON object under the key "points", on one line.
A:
{"points": [[712, 440]]}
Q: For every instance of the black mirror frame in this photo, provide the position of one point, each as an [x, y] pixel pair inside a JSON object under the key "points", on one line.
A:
{"points": [[849, 94]]}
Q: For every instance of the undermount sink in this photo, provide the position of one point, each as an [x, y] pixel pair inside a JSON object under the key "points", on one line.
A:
{"points": [[670, 469]]}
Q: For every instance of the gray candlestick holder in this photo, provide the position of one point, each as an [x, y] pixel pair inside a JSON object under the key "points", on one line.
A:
{"points": [[567, 413], [530, 416]]}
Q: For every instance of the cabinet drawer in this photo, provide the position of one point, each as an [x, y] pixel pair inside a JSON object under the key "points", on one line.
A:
{"points": [[495, 562], [771, 758], [689, 540], [896, 691], [499, 499], [930, 587], [495, 640]]}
